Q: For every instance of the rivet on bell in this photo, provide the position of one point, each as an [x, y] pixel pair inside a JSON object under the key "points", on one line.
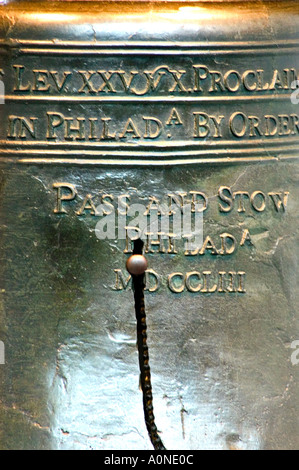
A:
{"points": [[136, 265]]}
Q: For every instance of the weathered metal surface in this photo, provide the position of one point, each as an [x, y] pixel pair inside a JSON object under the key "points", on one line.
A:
{"points": [[148, 103]]}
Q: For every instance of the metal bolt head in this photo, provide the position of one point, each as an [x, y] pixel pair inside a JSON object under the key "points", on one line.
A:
{"points": [[136, 265]]}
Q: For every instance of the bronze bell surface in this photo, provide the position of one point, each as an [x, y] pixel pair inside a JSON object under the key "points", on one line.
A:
{"points": [[167, 132]]}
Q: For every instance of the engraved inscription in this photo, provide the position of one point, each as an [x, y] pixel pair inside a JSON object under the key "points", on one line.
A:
{"points": [[196, 79], [228, 201], [149, 109], [195, 127], [167, 227], [204, 282]]}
